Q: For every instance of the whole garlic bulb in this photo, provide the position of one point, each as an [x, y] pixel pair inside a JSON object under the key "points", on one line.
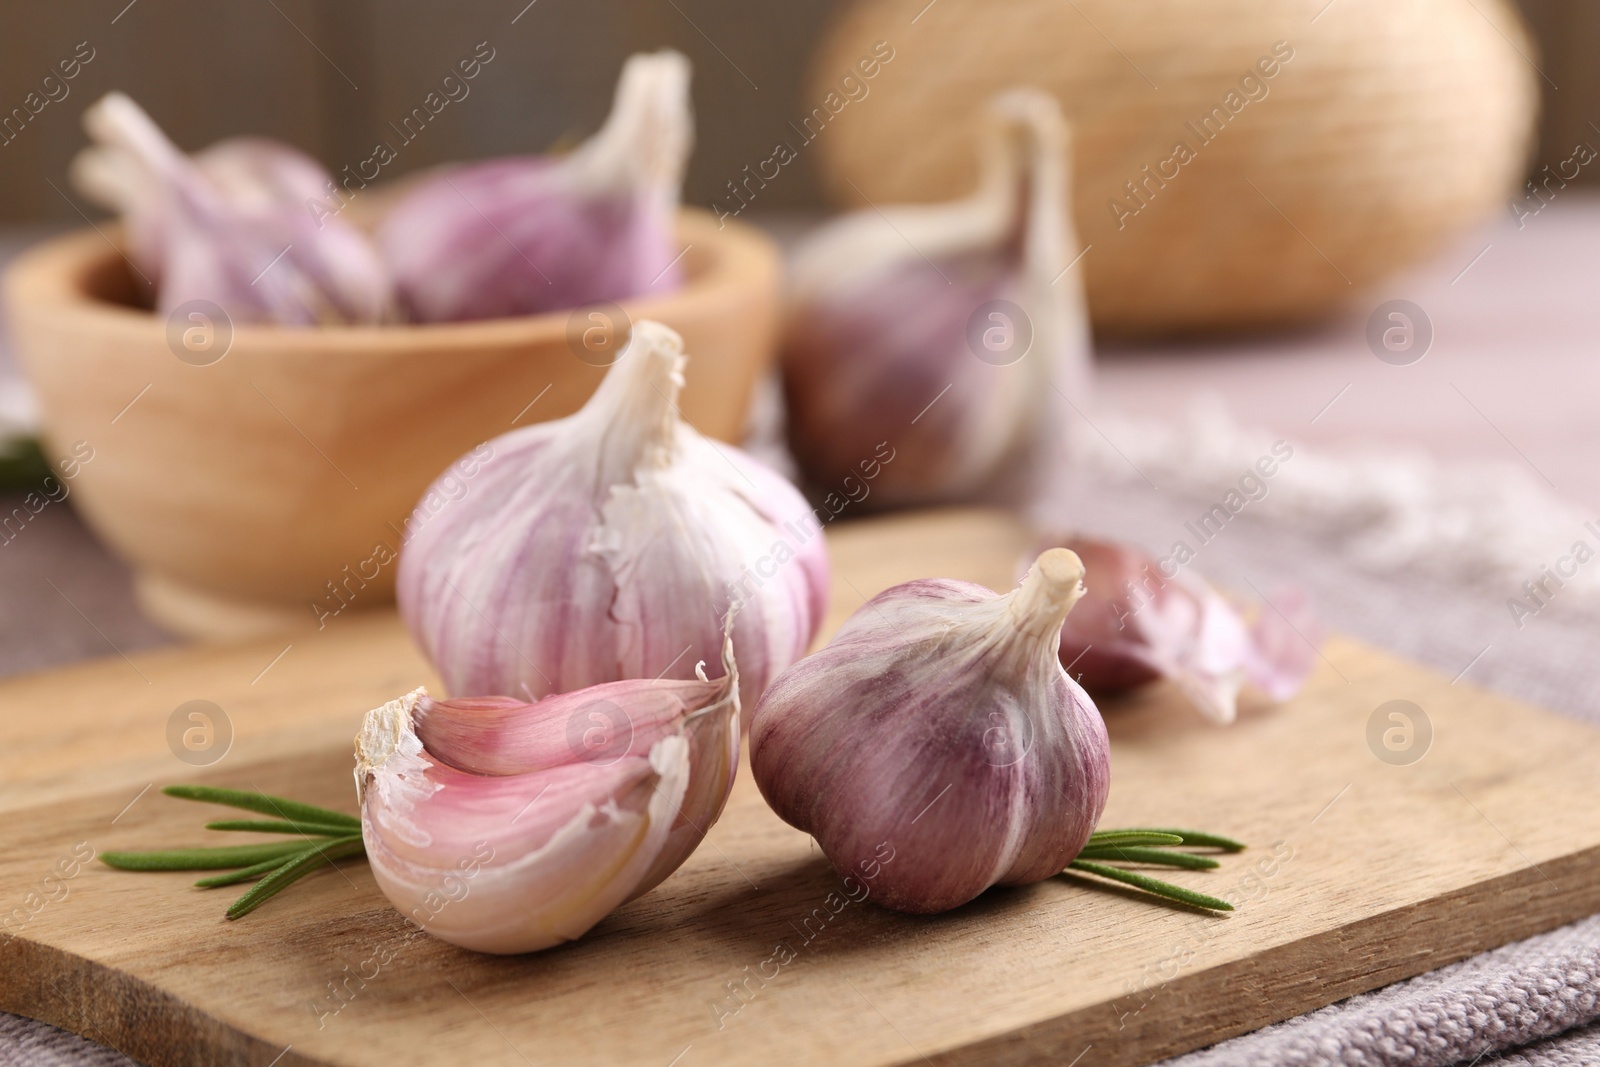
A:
{"points": [[507, 827], [938, 726], [609, 545], [956, 330], [253, 172], [231, 225], [1138, 624], [529, 234]]}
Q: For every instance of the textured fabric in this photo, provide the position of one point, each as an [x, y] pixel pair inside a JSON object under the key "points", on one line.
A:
{"points": [[28, 1043], [1502, 999]]}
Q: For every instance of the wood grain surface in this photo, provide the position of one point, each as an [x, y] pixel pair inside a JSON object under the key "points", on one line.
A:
{"points": [[1361, 873]]}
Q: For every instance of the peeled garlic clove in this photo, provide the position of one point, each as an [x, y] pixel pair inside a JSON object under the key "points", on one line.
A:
{"points": [[511, 863], [939, 730], [609, 545], [232, 228], [531, 234], [1138, 624], [600, 725], [893, 328]]}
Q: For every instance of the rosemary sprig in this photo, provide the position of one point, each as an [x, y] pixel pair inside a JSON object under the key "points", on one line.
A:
{"points": [[1154, 846], [285, 826], [262, 803], [297, 868], [1152, 885], [1108, 838], [245, 874], [202, 859], [325, 837], [1191, 838], [1156, 856]]}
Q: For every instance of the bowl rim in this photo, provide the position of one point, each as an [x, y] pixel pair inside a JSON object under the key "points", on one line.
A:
{"points": [[52, 276]]}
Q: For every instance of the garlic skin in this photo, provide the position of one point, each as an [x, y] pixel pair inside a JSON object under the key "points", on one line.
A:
{"points": [[1137, 625], [555, 833], [940, 724], [887, 321], [234, 230], [530, 234], [608, 545]]}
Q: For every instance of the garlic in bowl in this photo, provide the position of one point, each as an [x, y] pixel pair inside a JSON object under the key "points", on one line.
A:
{"points": [[261, 477]]}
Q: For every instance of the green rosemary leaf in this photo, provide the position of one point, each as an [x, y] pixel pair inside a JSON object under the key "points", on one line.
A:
{"points": [[278, 826], [246, 874], [1152, 838], [1193, 838], [1149, 855], [202, 859], [262, 803], [296, 868], [1152, 885]]}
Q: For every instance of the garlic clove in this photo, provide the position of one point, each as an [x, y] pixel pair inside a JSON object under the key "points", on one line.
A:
{"points": [[1282, 649], [895, 331], [609, 545], [937, 742], [601, 725], [525, 235], [235, 229], [510, 863], [1139, 624]]}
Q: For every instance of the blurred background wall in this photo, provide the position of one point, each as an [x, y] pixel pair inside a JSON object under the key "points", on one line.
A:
{"points": [[332, 77]]}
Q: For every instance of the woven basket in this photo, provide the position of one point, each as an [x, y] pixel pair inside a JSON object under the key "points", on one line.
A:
{"points": [[1395, 125]]}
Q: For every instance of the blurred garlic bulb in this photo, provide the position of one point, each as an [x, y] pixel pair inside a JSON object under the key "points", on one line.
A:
{"points": [[528, 234], [956, 330], [939, 729], [231, 225], [609, 545], [1137, 624], [509, 827]]}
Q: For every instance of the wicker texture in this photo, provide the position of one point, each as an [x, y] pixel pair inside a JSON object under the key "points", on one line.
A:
{"points": [[1390, 129]]}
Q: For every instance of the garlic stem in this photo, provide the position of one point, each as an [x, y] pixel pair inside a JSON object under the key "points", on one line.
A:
{"points": [[635, 412], [1053, 585]]}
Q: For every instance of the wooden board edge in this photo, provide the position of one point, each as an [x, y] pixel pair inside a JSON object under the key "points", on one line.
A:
{"points": [[149, 1025], [1357, 957], [155, 1027]]}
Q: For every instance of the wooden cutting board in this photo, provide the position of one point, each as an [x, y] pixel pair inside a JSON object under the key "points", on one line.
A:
{"points": [[1362, 872]]}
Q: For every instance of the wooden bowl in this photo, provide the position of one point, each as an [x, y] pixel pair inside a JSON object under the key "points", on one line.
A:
{"points": [[1393, 127], [268, 490]]}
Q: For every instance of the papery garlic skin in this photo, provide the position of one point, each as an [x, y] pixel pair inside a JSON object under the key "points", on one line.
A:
{"points": [[530, 234], [232, 226], [1138, 624], [940, 724], [887, 321], [498, 826], [609, 545]]}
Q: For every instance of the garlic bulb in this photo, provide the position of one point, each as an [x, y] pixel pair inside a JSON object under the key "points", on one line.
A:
{"points": [[232, 228], [509, 827], [529, 234], [939, 729], [609, 545], [954, 330], [1138, 624]]}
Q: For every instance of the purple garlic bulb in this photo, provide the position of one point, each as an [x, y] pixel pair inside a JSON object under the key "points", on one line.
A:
{"points": [[937, 741], [530, 234], [231, 226], [610, 545], [1139, 624], [957, 331]]}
